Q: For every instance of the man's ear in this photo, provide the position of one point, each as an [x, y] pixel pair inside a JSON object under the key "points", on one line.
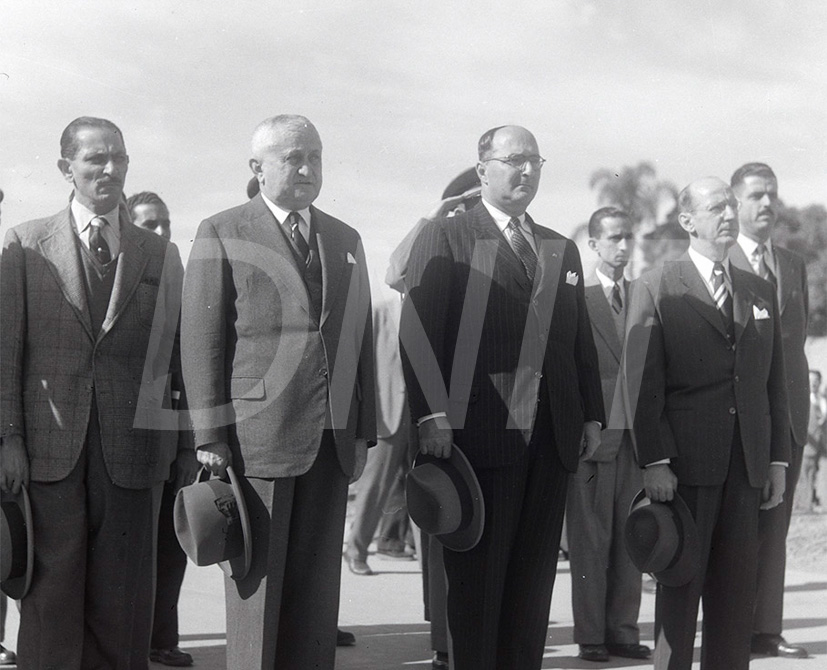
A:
{"points": [[592, 244], [685, 220], [65, 168], [481, 172]]}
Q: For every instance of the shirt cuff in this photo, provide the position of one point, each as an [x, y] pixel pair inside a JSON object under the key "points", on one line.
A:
{"points": [[662, 461], [786, 465]]}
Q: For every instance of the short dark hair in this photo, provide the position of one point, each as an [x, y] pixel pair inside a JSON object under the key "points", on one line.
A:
{"points": [[144, 198], [484, 145], [596, 219], [751, 170], [69, 138]]}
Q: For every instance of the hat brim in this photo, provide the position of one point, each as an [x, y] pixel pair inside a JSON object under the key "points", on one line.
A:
{"points": [[467, 537], [238, 567], [685, 567], [18, 587]]}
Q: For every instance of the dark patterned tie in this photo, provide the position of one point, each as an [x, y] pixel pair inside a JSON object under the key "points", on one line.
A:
{"points": [[523, 249], [299, 243], [720, 293], [617, 298], [97, 243], [763, 267]]}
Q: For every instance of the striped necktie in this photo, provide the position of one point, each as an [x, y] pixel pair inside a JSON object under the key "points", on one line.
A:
{"points": [[299, 243], [720, 294], [763, 267], [523, 249], [617, 298], [97, 243]]}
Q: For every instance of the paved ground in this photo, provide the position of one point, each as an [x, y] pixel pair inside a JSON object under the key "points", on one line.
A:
{"points": [[385, 613]]}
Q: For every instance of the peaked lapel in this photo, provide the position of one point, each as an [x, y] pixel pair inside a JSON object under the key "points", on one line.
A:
{"points": [[697, 295], [742, 302], [261, 227], [60, 249], [600, 314], [332, 257], [786, 277], [551, 252], [132, 260], [507, 261]]}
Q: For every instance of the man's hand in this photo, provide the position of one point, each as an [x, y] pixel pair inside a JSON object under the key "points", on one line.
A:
{"points": [[591, 439], [215, 456], [186, 468], [660, 483], [448, 204], [774, 487], [14, 464], [360, 447], [436, 437]]}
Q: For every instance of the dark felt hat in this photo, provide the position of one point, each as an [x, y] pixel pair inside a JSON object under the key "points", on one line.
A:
{"points": [[213, 526], [662, 539], [463, 183], [16, 544], [444, 499]]}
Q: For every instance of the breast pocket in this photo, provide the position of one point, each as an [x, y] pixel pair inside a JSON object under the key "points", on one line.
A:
{"points": [[144, 301]]}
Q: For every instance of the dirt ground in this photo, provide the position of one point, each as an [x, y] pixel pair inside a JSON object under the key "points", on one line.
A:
{"points": [[807, 542]]}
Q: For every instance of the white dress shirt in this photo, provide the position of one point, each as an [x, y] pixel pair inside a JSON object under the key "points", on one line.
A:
{"points": [[82, 217], [502, 220], [282, 214], [749, 246]]}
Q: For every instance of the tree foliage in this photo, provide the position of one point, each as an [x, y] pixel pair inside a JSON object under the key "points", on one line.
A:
{"points": [[635, 189]]}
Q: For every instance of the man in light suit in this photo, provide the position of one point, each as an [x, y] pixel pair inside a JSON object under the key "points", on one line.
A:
{"points": [[90, 313], [756, 188], [499, 358], [605, 591], [705, 374], [276, 333]]}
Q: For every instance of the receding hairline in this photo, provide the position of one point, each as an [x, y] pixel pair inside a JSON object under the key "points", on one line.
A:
{"points": [[487, 138], [686, 198], [281, 124]]}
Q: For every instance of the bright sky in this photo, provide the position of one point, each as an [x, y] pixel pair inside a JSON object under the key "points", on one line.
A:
{"points": [[401, 91]]}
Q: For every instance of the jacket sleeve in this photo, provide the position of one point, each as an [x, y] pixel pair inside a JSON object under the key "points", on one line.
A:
{"points": [[12, 335]]}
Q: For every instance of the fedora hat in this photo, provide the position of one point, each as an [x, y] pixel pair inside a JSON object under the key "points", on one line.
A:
{"points": [[444, 499], [16, 544], [662, 539], [213, 526]]}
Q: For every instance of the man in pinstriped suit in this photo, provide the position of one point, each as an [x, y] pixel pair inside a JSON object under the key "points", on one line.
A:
{"points": [[499, 358]]}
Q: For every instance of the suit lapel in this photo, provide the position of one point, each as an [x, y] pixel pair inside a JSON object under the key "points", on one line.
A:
{"points": [[507, 261], [786, 278], [331, 256], [261, 227], [60, 249], [742, 301], [697, 295], [132, 260], [601, 318]]}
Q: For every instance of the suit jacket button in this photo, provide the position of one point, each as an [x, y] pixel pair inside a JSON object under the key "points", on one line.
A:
{"points": [[737, 378], [323, 372], [732, 410]]}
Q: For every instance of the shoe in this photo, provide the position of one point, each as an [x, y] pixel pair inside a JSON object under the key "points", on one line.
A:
{"points": [[594, 652], [440, 661], [344, 638], [629, 650], [775, 645], [8, 657], [358, 566], [395, 549], [174, 657]]}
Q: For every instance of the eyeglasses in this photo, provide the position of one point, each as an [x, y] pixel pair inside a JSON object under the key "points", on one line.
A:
{"points": [[518, 161]]}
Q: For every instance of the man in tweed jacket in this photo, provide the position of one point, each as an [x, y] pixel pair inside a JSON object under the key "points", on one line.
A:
{"points": [[90, 308]]}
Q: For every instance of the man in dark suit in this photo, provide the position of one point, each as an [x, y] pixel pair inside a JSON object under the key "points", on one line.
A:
{"points": [[499, 358], [86, 408], [756, 188], [276, 331], [605, 592], [705, 374]]}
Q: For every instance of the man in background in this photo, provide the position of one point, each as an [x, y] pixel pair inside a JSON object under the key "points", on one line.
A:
{"points": [[605, 584], [756, 187], [86, 383], [150, 212]]}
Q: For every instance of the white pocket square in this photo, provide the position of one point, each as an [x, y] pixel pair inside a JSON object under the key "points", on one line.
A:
{"points": [[572, 278], [759, 313], [350, 258]]}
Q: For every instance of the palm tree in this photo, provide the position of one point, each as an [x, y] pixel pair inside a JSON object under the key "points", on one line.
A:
{"points": [[634, 189]]}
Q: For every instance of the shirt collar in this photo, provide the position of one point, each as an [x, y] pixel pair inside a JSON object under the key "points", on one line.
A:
{"points": [[83, 217], [282, 214], [607, 282], [502, 219], [749, 245], [705, 265]]}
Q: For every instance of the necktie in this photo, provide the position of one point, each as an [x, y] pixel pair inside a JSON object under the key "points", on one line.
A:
{"points": [[763, 268], [720, 294], [617, 298], [299, 243], [523, 249], [97, 243]]}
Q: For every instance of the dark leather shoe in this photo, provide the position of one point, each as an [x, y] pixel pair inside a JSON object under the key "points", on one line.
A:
{"points": [[629, 650], [174, 657], [594, 652], [775, 645], [440, 661], [344, 638], [358, 566], [8, 657]]}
